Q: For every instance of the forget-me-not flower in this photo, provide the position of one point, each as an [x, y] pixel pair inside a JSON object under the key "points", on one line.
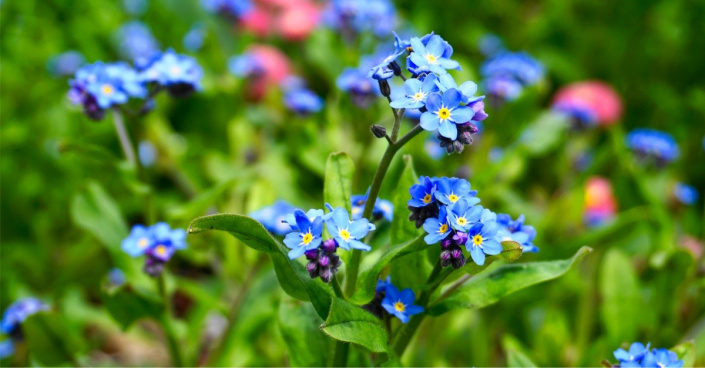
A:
{"points": [[444, 112], [400, 304], [348, 234], [307, 235]]}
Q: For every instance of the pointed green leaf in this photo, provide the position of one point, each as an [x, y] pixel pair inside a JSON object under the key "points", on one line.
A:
{"points": [[490, 287], [621, 302], [50, 341], [411, 269], [291, 274], [337, 187], [307, 345], [350, 323], [686, 353], [96, 212], [516, 353], [126, 306], [367, 281]]}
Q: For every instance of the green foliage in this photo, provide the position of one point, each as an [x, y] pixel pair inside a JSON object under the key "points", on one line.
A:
{"points": [[126, 306], [50, 341], [307, 346], [350, 323], [621, 302], [338, 180]]}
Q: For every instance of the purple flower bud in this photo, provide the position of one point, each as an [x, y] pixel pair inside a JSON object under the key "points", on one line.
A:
{"points": [[311, 254], [312, 268], [326, 275], [445, 243], [324, 261], [329, 245], [460, 238], [456, 253], [446, 258]]}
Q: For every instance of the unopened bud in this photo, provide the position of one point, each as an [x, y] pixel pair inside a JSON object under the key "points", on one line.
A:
{"points": [[378, 131], [384, 88]]}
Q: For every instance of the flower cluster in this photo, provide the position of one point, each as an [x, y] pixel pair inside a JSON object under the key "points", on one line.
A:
{"points": [[449, 109], [302, 100], [649, 144], [588, 104], [98, 87], [685, 194], [640, 356], [397, 303], [352, 17], [14, 315], [158, 243], [358, 84], [448, 210], [383, 208], [508, 73], [600, 203], [272, 217], [136, 42], [306, 238], [230, 9]]}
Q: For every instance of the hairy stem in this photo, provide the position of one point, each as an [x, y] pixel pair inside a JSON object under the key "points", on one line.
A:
{"points": [[124, 138]]}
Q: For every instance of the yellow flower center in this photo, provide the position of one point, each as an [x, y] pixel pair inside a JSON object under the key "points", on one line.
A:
{"points": [[444, 113], [399, 306], [431, 59], [345, 234], [418, 96], [143, 243], [307, 238], [160, 250], [107, 89], [443, 228], [477, 240], [427, 198], [462, 221], [453, 198]]}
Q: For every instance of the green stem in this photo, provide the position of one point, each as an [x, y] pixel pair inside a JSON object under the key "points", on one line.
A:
{"points": [[336, 288], [124, 138], [165, 321], [340, 356]]}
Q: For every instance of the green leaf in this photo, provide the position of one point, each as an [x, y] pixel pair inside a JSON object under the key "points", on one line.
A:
{"points": [[621, 302], [490, 287], [306, 344], [50, 341], [367, 281], [511, 251], [337, 187], [126, 306], [350, 323], [516, 353], [412, 269], [544, 133], [96, 212], [686, 353], [291, 274]]}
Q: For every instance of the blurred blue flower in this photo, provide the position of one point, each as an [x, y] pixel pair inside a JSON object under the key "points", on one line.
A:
{"points": [[66, 63], [517, 65], [18, 311], [653, 144], [415, 93], [303, 101], [504, 87], [490, 44], [432, 147], [438, 228], [361, 88], [193, 39], [382, 284], [7, 348], [139, 240], [432, 56], [451, 190], [636, 352], [481, 241], [444, 112], [136, 43], [166, 241], [272, 217], [306, 237], [245, 65], [685, 194], [230, 8], [348, 233], [382, 208], [147, 153], [516, 230], [352, 17], [100, 86], [181, 74], [661, 358], [400, 304], [116, 277], [135, 7]]}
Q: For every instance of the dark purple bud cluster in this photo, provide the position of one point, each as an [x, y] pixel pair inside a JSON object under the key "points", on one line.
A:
{"points": [[465, 132], [323, 262], [451, 252], [420, 214], [153, 266]]}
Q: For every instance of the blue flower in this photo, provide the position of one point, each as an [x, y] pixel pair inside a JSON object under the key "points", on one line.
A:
{"points": [[465, 214], [116, 277], [519, 65], [290, 219], [230, 8], [7, 348], [661, 358], [416, 92], [193, 39], [147, 153], [348, 233], [400, 304], [490, 44], [515, 230], [358, 16], [636, 352], [422, 194], [503, 86], [431, 57], [137, 43], [139, 240], [382, 284], [135, 7], [481, 241], [467, 90], [245, 65], [18, 311], [272, 217], [306, 236], [66, 63], [649, 143], [166, 241], [444, 112], [437, 228], [382, 209], [450, 190], [303, 101], [174, 71], [686, 194]]}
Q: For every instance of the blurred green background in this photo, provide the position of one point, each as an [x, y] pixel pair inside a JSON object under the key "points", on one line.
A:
{"points": [[68, 199]]}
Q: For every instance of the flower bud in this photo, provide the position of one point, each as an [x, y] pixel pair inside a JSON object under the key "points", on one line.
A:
{"points": [[329, 245], [384, 88], [378, 131]]}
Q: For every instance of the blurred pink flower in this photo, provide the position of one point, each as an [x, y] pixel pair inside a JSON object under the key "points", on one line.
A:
{"points": [[595, 99], [600, 204], [275, 68], [292, 19]]}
